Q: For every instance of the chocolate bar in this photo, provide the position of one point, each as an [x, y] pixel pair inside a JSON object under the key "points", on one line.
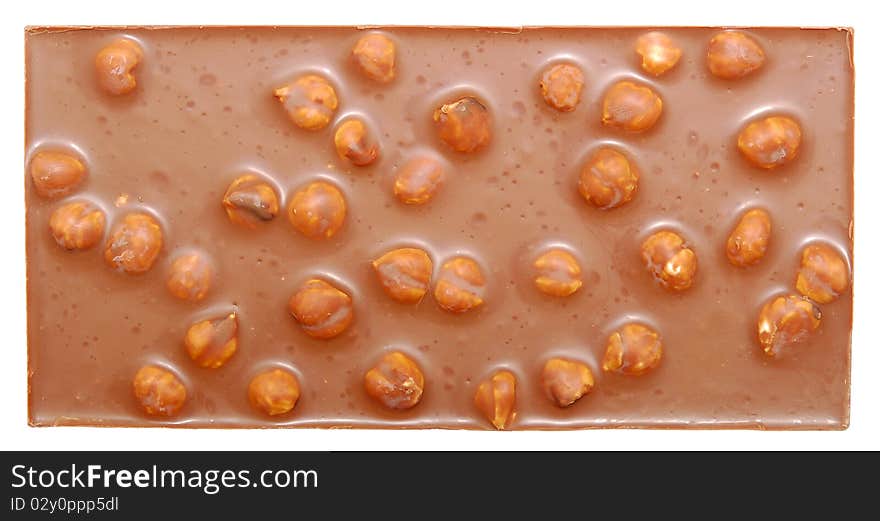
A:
{"points": [[467, 228]]}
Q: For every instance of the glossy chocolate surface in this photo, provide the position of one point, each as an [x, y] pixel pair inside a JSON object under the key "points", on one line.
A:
{"points": [[203, 114]]}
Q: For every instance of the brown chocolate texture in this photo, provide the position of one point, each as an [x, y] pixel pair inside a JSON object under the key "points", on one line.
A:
{"points": [[202, 112]]}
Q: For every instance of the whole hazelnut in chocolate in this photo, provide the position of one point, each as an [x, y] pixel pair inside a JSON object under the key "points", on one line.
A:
{"points": [[824, 273], [405, 274], [317, 210], [250, 200], [134, 243], [658, 52], [396, 381], [496, 399], [310, 101], [608, 179], [733, 55], [374, 56], [322, 310], [566, 381], [56, 174], [785, 321], [190, 277], [354, 143], [460, 285], [670, 260], [274, 392], [632, 350], [557, 273], [159, 391], [561, 86], [748, 240], [78, 225], [465, 124], [770, 142], [210, 343], [418, 180], [631, 107], [115, 64]]}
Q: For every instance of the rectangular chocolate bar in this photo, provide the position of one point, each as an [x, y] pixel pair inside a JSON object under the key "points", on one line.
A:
{"points": [[550, 228]]}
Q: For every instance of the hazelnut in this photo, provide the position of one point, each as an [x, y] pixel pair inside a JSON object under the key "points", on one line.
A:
{"points": [[631, 107], [565, 381], [274, 392], [668, 258], [191, 277], [770, 142], [56, 174], [733, 54], [354, 143], [210, 343], [748, 240], [633, 350], [78, 225], [134, 243], [250, 200], [405, 273], [608, 179], [317, 210], [496, 398], [785, 321], [374, 56], [418, 180], [310, 101], [396, 381], [557, 273], [460, 285], [561, 86], [160, 392], [465, 124], [114, 66], [322, 310], [659, 53], [824, 273]]}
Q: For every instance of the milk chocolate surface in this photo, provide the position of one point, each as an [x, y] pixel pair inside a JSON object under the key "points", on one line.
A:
{"points": [[168, 297]]}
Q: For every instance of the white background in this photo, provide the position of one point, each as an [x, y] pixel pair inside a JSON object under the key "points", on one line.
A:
{"points": [[864, 432]]}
